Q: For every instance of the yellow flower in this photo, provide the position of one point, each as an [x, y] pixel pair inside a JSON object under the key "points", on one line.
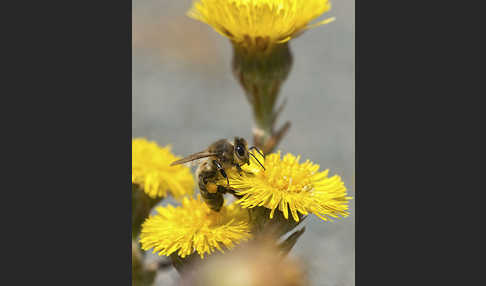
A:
{"points": [[151, 170], [193, 227], [287, 184], [255, 22]]}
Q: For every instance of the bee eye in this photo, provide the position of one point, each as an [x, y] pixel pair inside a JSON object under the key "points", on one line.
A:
{"points": [[240, 151]]}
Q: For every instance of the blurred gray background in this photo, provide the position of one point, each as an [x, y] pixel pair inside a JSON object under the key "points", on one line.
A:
{"points": [[184, 94]]}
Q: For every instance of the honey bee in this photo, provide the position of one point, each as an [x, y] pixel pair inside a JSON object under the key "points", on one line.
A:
{"points": [[219, 156]]}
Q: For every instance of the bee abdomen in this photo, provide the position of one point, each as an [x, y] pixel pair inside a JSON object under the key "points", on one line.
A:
{"points": [[214, 201], [210, 195]]}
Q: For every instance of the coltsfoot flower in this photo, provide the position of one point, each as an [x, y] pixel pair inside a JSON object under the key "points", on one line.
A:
{"points": [[151, 170], [194, 227], [287, 185], [260, 22]]}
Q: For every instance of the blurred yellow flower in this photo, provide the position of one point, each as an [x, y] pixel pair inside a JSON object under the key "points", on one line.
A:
{"points": [[256, 22], [151, 170], [287, 184], [193, 227]]}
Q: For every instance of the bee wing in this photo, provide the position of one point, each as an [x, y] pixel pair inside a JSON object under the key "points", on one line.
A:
{"points": [[193, 157]]}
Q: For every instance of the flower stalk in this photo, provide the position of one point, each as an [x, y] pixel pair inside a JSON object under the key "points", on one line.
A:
{"points": [[264, 226], [278, 225], [141, 206], [261, 69], [142, 274]]}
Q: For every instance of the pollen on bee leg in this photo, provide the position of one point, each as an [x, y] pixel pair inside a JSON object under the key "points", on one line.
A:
{"points": [[212, 188]]}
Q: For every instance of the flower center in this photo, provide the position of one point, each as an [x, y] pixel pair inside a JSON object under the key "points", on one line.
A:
{"points": [[289, 178]]}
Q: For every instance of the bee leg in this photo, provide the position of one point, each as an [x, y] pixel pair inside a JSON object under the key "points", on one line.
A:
{"points": [[230, 191], [224, 175], [238, 167], [221, 170]]}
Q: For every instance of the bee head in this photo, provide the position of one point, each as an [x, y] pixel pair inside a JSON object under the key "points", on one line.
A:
{"points": [[241, 151]]}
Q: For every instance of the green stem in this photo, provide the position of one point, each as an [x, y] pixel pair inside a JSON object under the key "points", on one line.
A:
{"points": [[261, 73]]}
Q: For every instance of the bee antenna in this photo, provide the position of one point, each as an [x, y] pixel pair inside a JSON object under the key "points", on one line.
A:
{"points": [[257, 160], [258, 150]]}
